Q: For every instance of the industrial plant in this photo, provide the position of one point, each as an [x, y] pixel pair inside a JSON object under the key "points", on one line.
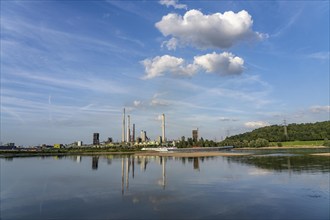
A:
{"points": [[129, 137]]}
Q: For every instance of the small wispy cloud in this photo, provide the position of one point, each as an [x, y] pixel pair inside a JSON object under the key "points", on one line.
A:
{"points": [[159, 102], [287, 24], [173, 3], [258, 98], [227, 119], [255, 124], [319, 109], [320, 55], [37, 112], [90, 83], [137, 103]]}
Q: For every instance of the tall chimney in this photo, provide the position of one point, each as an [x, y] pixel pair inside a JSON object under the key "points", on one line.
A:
{"points": [[133, 135], [163, 128], [128, 128], [123, 128]]}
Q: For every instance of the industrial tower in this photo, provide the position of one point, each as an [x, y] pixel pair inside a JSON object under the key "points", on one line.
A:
{"points": [[163, 128], [128, 138], [123, 128]]}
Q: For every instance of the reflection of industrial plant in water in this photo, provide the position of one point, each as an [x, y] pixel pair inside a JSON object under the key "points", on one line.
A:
{"points": [[125, 173], [128, 165], [95, 163], [196, 163], [193, 160], [162, 181], [164, 171], [129, 162]]}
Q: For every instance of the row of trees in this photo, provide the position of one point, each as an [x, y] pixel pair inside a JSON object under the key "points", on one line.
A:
{"points": [[259, 142], [183, 143]]}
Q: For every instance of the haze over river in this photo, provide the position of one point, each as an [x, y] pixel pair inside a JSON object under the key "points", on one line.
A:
{"points": [[267, 185]]}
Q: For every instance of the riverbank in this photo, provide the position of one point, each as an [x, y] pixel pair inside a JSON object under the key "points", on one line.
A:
{"points": [[190, 154], [322, 154], [48, 154], [284, 147], [93, 152], [139, 153]]}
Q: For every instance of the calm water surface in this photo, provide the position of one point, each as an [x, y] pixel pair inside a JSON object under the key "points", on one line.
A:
{"points": [[264, 186]]}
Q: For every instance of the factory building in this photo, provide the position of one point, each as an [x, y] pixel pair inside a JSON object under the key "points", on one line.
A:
{"points": [[143, 136], [96, 139], [160, 139], [195, 135]]}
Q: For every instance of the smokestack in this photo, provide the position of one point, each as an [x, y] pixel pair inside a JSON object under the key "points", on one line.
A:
{"points": [[163, 128], [123, 128], [128, 128], [133, 135]]}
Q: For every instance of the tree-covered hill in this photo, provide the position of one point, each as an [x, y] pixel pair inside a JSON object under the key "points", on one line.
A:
{"points": [[275, 133]]}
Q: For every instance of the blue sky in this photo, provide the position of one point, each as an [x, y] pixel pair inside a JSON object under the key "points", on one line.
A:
{"points": [[68, 68]]}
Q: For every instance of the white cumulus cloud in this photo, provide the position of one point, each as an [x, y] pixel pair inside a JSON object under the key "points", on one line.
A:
{"points": [[208, 31], [255, 124], [158, 66], [222, 64], [173, 3]]}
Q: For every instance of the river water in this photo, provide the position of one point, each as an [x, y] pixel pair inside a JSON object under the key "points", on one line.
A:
{"points": [[272, 185]]}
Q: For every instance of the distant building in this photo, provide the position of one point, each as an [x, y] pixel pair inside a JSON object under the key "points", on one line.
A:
{"points": [[96, 139], [44, 146], [57, 146], [143, 136], [160, 139], [109, 140], [9, 146], [79, 143], [195, 135]]}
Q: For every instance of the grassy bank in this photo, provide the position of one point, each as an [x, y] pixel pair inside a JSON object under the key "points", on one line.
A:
{"points": [[298, 143]]}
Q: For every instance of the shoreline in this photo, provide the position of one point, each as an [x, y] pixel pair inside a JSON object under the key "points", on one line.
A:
{"points": [[165, 154], [322, 154], [191, 154], [284, 147]]}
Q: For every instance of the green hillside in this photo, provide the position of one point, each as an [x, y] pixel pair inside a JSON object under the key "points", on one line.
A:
{"points": [[275, 133]]}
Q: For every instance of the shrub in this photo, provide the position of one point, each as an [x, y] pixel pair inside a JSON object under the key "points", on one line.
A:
{"points": [[252, 143], [279, 144], [260, 142], [326, 143]]}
